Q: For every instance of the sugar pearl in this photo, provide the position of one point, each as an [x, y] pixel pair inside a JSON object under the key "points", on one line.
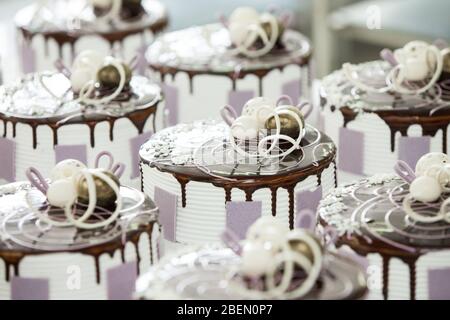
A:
{"points": [[429, 160]]}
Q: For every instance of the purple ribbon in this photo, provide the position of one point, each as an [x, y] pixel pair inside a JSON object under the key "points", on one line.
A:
{"points": [[404, 171], [37, 180], [388, 55], [232, 241], [228, 114], [61, 67]]}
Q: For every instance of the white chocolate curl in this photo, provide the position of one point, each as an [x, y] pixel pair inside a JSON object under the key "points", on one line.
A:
{"points": [[245, 27], [267, 253]]}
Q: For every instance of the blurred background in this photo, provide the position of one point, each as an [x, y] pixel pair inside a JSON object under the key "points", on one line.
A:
{"points": [[341, 30]]}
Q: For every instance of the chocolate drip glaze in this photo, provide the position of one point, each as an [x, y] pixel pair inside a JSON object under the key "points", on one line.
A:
{"points": [[273, 192], [138, 118], [13, 257], [154, 20], [401, 117], [386, 260], [183, 182]]}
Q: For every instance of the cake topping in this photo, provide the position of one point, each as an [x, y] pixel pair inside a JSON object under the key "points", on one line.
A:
{"points": [[428, 184], [259, 117], [415, 69], [81, 192], [254, 34], [275, 259]]}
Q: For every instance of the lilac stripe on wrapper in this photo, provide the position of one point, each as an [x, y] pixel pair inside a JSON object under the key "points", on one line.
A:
{"points": [[241, 215], [171, 101], [121, 281], [29, 289], [410, 149], [237, 99], [351, 151], [7, 160], [439, 284], [306, 206], [77, 152], [28, 57], [167, 204], [292, 89], [135, 145]]}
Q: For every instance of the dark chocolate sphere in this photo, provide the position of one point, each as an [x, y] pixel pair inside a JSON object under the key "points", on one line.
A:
{"points": [[268, 29], [446, 66], [109, 77], [303, 248], [106, 197], [289, 126]]}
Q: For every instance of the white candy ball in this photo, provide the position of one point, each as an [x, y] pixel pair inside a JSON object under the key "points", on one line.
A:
{"points": [[268, 230], [88, 59], [244, 128], [261, 108], [61, 192], [238, 33], [66, 169], [425, 189], [80, 77], [431, 159], [245, 15], [256, 261]]}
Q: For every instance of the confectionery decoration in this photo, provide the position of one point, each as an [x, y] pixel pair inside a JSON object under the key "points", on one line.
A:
{"points": [[253, 34], [73, 186], [414, 69], [271, 256], [428, 184], [259, 118]]}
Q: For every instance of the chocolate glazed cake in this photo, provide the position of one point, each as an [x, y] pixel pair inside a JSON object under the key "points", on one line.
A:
{"points": [[42, 261], [47, 29], [200, 64], [368, 119], [193, 172], [43, 121], [408, 257]]}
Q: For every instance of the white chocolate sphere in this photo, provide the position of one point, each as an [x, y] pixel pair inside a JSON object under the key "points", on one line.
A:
{"points": [[256, 260], [80, 77], [61, 192], [268, 230], [238, 33], [260, 108], [425, 189], [244, 15], [88, 59], [245, 128], [66, 169], [430, 159]]}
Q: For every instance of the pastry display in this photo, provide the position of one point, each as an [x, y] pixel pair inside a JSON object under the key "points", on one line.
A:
{"points": [[400, 221], [267, 157], [396, 107], [67, 237], [59, 29], [271, 263], [97, 104], [248, 54]]}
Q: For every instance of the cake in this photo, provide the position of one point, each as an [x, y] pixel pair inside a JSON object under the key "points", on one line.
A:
{"points": [[400, 222], [395, 108], [210, 63], [76, 113], [271, 263], [78, 235], [203, 174], [59, 29]]}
